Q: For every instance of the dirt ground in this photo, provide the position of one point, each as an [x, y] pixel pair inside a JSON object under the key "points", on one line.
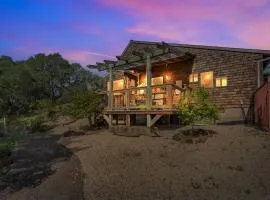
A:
{"points": [[232, 164], [43, 169]]}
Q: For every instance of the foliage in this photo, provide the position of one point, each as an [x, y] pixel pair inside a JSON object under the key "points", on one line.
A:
{"points": [[41, 79], [45, 108], [83, 105], [34, 123], [196, 105]]}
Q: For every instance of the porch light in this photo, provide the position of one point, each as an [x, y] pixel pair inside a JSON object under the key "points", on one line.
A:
{"points": [[168, 77]]}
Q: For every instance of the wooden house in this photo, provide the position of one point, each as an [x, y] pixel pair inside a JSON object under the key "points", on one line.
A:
{"points": [[151, 77]]}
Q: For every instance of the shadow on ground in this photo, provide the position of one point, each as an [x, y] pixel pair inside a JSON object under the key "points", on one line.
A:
{"points": [[33, 160]]}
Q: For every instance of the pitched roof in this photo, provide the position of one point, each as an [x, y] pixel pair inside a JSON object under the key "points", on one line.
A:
{"points": [[219, 48]]}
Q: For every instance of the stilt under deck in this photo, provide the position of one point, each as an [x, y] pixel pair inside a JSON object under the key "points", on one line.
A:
{"points": [[151, 116]]}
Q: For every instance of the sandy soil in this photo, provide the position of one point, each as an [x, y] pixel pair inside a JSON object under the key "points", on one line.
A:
{"points": [[233, 164]]}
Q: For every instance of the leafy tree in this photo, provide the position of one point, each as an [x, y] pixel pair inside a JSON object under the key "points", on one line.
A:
{"points": [[196, 105], [51, 74], [83, 105], [46, 79], [15, 84]]}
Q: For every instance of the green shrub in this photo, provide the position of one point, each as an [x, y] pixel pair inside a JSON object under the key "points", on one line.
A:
{"points": [[34, 123], [83, 105], [46, 108], [196, 105]]}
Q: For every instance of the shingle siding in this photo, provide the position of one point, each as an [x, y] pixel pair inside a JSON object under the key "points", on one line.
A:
{"points": [[239, 67]]}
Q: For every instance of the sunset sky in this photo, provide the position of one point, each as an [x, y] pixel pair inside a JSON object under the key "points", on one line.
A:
{"points": [[87, 31]]}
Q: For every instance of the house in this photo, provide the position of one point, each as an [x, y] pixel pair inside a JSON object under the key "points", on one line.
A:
{"points": [[148, 79]]}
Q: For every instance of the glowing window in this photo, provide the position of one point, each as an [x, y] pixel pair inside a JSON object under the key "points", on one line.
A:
{"points": [[157, 80], [221, 82], [193, 78], [207, 79], [117, 85]]}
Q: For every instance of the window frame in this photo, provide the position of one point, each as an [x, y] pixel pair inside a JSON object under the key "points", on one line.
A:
{"points": [[221, 78], [212, 78], [192, 77]]}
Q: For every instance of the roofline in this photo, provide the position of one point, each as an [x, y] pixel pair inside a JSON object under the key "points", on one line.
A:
{"points": [[220, 48]]}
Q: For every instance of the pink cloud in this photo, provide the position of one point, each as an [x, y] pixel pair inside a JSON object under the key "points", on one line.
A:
{"points": [[76, 56], [85, 57], [190, 21]]}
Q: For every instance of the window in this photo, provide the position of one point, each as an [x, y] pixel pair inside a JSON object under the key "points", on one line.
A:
{"points": [[193, 78], [157, 80], [117, 85], [221, 82], [207, 79]]}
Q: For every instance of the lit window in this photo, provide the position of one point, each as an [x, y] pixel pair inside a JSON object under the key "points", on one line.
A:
{"points": [[157, 80], [117, 85], [221, 82], [193, 78], [207, 79]]}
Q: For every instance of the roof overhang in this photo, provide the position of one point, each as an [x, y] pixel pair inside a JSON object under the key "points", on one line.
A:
{"points": [[164, 53]]}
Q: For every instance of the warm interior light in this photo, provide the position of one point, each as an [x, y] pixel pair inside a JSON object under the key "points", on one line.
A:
{"points": [[168, 77], [207, 76]]}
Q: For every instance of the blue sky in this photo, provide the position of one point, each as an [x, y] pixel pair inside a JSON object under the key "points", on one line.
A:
{"points": [[87, 31]]}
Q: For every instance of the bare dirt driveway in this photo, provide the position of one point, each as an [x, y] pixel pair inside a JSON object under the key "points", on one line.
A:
{"points": [[233, 164]]}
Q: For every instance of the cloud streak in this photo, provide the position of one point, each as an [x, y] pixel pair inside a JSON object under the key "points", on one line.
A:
{"points": [[191, 21]]}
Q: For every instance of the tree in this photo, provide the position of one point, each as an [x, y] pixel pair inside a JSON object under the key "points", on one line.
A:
{"points": [[15, 84], [83, 105], [196, 105], [51, 74]]}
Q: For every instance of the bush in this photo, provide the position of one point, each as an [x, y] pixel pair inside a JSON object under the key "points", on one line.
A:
{"points": [[34, 123], [83, 105], [196, 105], [46, 108]]}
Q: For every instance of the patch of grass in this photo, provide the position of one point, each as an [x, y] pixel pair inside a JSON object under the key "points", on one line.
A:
{"points": [[7, 143]]}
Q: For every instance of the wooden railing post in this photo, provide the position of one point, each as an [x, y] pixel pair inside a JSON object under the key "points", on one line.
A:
{"points": [[127, 99], [268, 88], [148, 85], [169, 96], [110, 99]]}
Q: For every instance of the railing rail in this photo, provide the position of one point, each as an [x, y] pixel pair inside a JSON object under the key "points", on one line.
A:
{"points": [[164, 96]]}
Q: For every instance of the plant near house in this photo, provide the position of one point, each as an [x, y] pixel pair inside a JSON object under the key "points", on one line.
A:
{"points": [[196, 105], [82, 105]]}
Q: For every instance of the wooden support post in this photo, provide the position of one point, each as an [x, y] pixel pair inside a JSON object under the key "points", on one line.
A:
{"points": [[169, 96], [155, 119], [268, 86], [148, 122], [127, 99], [108, 119], [148, 85], [127, 120], [110, 99]]}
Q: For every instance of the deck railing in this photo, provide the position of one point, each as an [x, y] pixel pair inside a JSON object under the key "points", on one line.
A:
{"points": [[163, 97]]}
